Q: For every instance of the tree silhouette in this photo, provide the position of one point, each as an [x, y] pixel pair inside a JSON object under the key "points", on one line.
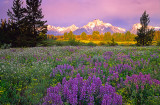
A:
{"points": [[36, 28], [25, 26], [145, 35], [16, 16]]}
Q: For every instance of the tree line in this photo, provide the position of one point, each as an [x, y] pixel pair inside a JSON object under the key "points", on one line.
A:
{"points": [[24, 26], [96, 36]]}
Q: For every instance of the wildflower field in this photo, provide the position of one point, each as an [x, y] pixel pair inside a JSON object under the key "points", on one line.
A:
{"points": [[80, 75]]}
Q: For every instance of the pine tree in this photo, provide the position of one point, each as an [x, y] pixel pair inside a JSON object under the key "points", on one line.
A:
{"points": [[36, 28], [145, 35], [18, 11], [16, 17]]}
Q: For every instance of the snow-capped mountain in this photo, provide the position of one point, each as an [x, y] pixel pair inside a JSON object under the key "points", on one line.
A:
{"points": [[95, 25], [60, 30], [100, 26], [138, 26]]}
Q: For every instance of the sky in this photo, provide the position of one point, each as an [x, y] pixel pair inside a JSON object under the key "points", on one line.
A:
{"points": [[121, 13]]}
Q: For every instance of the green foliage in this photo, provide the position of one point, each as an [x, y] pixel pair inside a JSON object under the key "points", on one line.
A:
{"points": [[7, 32], [158, 43], [25, 27], [59, 43], [95, 35], [73, 42], [6, 46], [91, 44], [107, 36], [65, 36], [83, 36], [101, 43], [112, 43], [128, 36], [145, 35], [69, 36], [157, 36], [48, 42]]}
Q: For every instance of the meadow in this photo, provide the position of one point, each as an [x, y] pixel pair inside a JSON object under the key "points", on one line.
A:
{"points": [[83, 75]]}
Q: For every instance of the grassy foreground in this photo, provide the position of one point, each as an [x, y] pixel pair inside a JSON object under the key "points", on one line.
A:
{"points": [[130, 73]]}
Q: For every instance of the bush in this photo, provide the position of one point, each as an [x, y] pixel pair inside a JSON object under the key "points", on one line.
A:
{"points": [[59, 43], [6, 46], [73, 42], [48, 42], [112, 43], [101, 43], [91, 44], [158, 43]]}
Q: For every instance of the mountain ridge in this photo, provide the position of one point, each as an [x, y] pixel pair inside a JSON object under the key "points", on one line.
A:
{"points": [[95, 25]]}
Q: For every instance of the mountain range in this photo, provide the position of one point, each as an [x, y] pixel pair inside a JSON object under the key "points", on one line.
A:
{"points": [[95, 25]]}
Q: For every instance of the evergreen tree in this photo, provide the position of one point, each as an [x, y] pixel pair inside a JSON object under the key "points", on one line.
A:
{"points": [[145, 35], [18, 11], [7, 32], [16, 16], [36, 28]]}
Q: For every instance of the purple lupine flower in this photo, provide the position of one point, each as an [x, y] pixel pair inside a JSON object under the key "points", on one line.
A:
{"points": [[105, 65], [76, 89], [141, 80], [137, 87], [62, 69]]}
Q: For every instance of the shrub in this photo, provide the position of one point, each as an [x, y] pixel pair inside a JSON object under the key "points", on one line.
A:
{"points": [[158, 43], [58, 43], [73, 42], [101, 43], [91, 44], [6, 46], [112, 43], [78, 91]]}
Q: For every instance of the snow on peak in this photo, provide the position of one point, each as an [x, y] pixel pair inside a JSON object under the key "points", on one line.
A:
{"points": [[62, 29], [157, 28], [95, 23], [122, 29], [73, 27], [137, 26], [107, 24]]}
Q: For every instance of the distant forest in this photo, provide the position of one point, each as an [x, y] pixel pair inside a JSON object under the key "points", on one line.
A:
{"points": [[96, 36]]}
